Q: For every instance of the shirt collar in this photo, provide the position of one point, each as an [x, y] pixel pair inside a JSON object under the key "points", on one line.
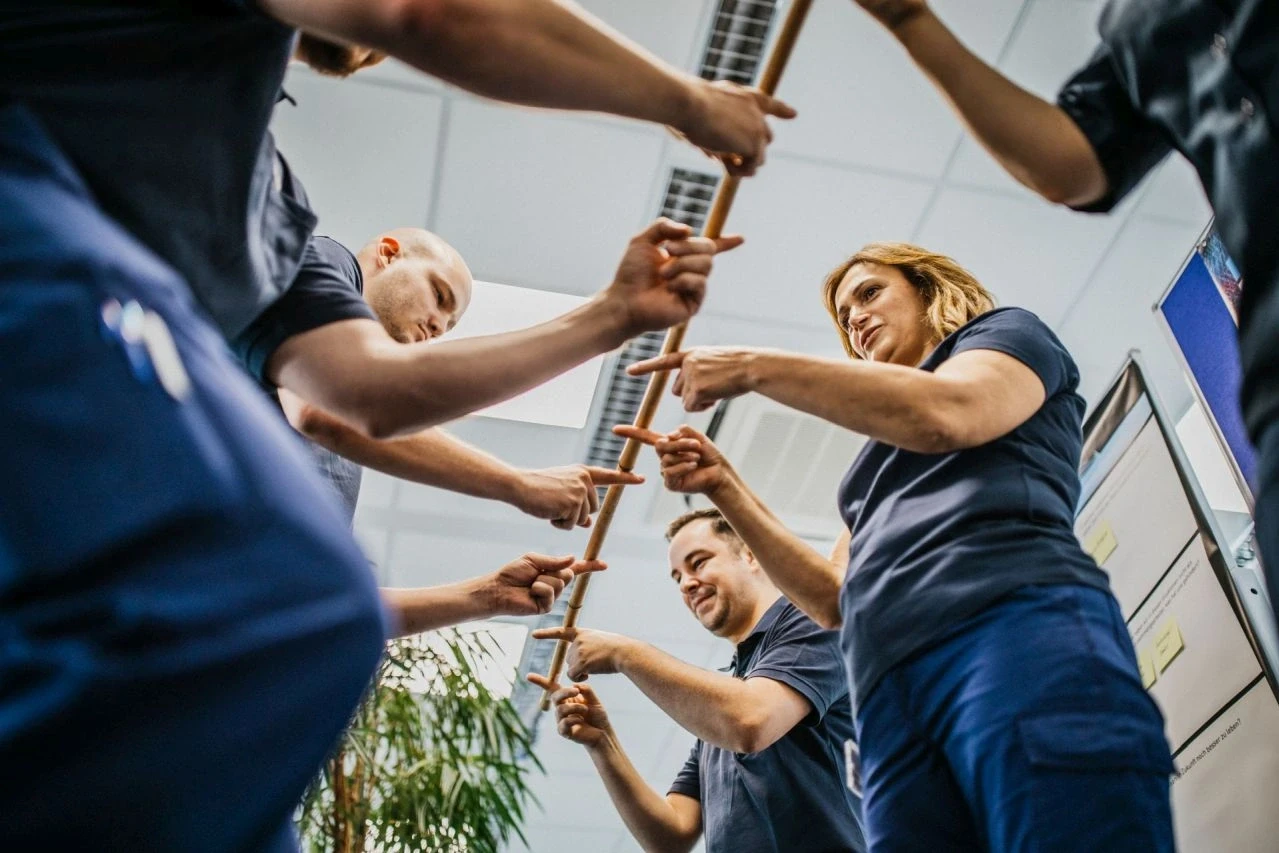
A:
{"points": [[746, 646]]}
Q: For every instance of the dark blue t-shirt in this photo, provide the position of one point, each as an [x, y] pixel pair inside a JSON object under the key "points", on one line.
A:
{"points": [[329, 287], [792, 795], [162, 107], [937, 538]]}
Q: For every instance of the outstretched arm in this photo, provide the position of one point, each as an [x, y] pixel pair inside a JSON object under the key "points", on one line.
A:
{"points": [[355, 371], [1034, 140], [669, 824], [691, 463], [523, 587], [565, 496], [743, 715], [546, 53]]}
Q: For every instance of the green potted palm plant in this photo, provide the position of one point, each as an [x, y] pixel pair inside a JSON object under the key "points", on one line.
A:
{"points": [[434, 759]]}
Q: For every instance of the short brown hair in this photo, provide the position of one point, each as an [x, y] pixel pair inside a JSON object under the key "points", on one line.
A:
{"points": [[953, 295], [719, 525]]}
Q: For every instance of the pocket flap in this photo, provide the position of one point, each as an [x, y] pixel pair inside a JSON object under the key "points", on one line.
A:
{"points": [[1094, 741]]}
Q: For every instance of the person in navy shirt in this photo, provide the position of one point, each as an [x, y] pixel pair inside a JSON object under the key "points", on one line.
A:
{"points": [[417, 287], [183, 605], [996, 691], [1196, 77], [766, 773]]}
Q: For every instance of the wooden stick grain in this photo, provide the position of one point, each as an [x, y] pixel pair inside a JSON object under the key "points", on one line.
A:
{"points": [[713, 228]]}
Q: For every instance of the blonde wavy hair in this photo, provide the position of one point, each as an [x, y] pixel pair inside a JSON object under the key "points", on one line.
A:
{"points": [[952, 294]]}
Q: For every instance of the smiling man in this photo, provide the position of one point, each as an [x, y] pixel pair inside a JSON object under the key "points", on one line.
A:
{"points": [[766, 774]]}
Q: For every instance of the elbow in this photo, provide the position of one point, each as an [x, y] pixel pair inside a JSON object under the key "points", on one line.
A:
{"points": [[937, 432], [1058, 194], [1070, 195], [829, 618], [753, 734]]}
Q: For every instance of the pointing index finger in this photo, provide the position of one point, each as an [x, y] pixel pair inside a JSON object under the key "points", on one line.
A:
{"points": [[644, 436], [669, 361], [610, 476]]}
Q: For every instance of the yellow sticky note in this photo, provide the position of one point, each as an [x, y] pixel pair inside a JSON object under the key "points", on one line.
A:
{"points": [[1146, 663], [1101, 542], [1168, 644]]}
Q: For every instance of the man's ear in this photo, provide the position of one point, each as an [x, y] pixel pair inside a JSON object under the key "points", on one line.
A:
{"points": [[388, 249]]}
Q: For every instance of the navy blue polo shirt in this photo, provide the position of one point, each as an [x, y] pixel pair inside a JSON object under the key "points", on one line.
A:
{"points": [[791, 796], [938, 537], [329, 287], [162, 107], [1199, 76]]}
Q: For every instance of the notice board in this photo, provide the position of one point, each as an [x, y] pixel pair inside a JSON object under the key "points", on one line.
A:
{"points": [[1143, 520]]}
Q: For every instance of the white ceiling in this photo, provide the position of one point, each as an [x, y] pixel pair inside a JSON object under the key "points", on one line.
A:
{"points": [[548, 200]]}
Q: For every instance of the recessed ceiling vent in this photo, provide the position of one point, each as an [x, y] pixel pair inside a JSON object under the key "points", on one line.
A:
{"points": [[688, 198], [739, 33]]}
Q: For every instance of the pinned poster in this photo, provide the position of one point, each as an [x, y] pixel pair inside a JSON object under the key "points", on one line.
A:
{"points": [[1168, 644], [1146, 663], [1101, 542]]}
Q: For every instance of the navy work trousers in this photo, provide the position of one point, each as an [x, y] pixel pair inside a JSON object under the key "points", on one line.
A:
{"points": [[1026, 730], [185, 621]]}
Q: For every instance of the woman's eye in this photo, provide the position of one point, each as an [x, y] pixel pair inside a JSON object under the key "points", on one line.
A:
{"points": [[869, 293]]}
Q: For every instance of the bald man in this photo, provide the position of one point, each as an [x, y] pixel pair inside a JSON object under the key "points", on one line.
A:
{"points": [[417, 287]]}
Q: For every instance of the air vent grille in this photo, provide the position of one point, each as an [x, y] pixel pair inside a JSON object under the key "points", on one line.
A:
{"points": [[688, 198], [739, 33]]}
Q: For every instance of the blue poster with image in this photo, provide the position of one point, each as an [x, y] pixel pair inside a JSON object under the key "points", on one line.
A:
{"points": [[1201, 310]]}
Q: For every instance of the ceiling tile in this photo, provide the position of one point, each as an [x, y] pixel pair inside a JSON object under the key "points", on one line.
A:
{"points": [[378, 490], [1114, 314], [860, 98], [672, 29], [542, 200], [360, 182], [573, 800], [543, 837], [800, 220], [392, 72], [1175, 193], [427, 559], [640, 733], [1055, 38], [1027, 252], [628, 580]]}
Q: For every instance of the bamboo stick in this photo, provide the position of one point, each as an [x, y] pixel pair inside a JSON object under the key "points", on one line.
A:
{"points": [[713, 228]]}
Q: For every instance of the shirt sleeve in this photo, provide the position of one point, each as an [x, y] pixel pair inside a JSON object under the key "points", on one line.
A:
{"points": [[1022, 335], [1127, 143], [325, 290], [689, 779], [805, 657]]}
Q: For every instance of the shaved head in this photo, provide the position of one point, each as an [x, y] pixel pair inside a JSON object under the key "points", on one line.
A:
{"points": [[416, 283]]}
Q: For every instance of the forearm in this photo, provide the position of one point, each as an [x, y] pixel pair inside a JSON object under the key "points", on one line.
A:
{"points": [[541, 53], [902, 406], [432, 458], [810, 581], [385, 388], [710, 705], [431, 608], [650, 817], [1034, 140]]}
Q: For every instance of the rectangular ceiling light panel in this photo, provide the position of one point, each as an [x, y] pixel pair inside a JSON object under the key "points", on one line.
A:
{"points": [[564, 401]]}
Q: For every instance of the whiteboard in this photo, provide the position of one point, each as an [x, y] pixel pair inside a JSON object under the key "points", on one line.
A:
{"points": [[1143, 521]]}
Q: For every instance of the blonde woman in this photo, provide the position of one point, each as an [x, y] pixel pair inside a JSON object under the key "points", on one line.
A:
{"points": [[996, 693]]}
